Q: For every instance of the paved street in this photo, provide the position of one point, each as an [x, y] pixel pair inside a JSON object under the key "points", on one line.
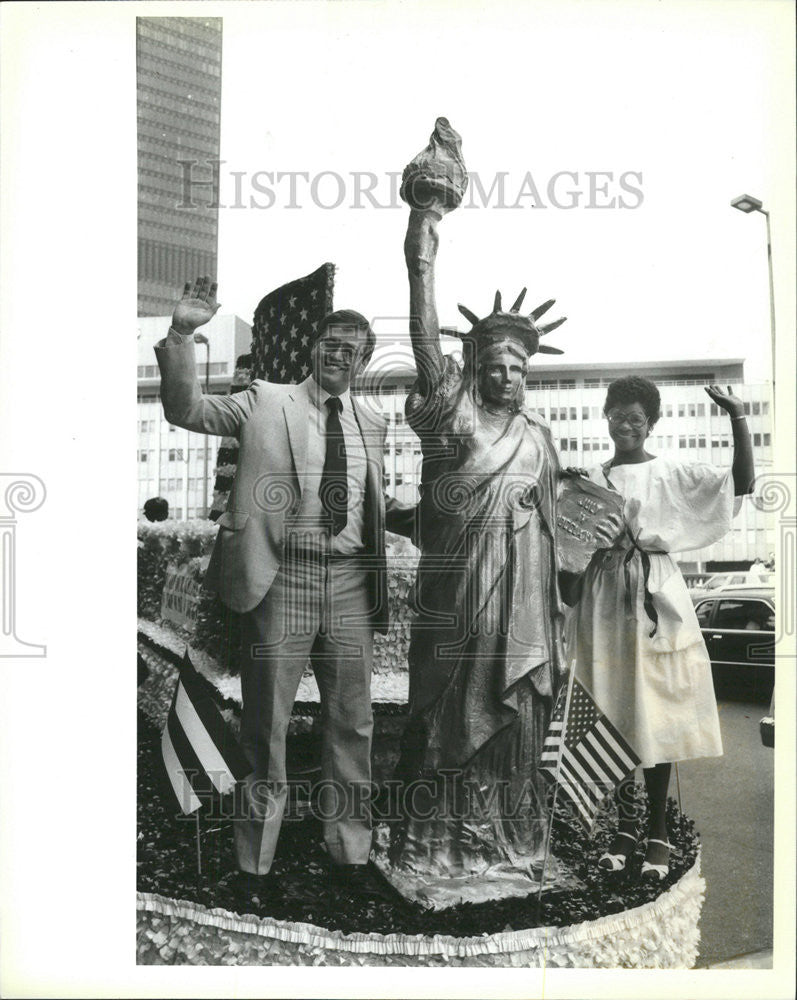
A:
{"points": [[730, 799]]}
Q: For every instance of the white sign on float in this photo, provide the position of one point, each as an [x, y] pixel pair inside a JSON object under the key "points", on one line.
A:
{"points": [[181, 594]]}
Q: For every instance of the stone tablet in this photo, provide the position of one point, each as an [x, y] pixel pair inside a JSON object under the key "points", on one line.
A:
{"points": [[581, 507]]}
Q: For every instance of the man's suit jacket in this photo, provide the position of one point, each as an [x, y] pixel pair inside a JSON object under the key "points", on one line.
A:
{"points": [[271, 423]]}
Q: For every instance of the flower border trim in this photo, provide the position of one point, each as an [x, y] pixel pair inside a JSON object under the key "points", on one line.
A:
{"points": [[660, 934]]}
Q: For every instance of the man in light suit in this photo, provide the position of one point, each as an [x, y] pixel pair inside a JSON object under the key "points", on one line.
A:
{"points": [[300, 552]]}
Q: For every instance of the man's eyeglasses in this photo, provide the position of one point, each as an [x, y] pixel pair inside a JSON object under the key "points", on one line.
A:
{"points": [[632, 419]]}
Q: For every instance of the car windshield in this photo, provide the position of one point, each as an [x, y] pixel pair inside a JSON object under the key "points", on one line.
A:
{"points": [[716, 581]]}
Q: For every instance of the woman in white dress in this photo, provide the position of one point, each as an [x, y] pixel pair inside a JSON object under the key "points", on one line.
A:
{"points": [[634, 634]]}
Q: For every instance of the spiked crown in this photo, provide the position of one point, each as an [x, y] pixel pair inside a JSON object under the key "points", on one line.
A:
{"points": [[500, 326]]}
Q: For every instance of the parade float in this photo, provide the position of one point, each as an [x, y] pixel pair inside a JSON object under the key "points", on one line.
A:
{"points": [[188, 909]]}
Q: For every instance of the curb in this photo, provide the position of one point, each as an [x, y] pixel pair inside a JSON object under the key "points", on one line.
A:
{"points": [[753, 960]]}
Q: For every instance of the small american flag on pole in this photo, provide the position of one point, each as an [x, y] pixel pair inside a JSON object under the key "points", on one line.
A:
{"points": [[592, 759], [201, 755]]}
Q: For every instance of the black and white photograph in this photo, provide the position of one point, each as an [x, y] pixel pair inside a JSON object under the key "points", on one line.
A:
{"points": [[409, 389]]}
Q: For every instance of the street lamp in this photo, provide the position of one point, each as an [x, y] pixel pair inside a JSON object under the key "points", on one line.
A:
{"points": [[200, 338], [747, 203]]}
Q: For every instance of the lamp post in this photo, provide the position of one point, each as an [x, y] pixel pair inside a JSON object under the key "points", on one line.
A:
{"points": [[200, 338], [747, 203]]}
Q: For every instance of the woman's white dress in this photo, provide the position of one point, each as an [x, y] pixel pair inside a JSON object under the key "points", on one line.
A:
{"points": [[657, 690]]}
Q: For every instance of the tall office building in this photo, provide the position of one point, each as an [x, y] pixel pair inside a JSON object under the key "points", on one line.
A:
{"points": [[178, 61]]}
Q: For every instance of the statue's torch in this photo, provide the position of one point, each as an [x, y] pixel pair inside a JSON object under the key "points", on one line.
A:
{"points": [[436, 179]]}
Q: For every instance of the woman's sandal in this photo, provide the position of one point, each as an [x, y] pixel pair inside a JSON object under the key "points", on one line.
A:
{"points": [[616, 862], [659, 871]]}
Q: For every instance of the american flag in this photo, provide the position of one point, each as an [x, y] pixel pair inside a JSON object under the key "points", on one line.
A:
{"points": [[201, 755], [282, 334], [594, 758], [285, 321]]}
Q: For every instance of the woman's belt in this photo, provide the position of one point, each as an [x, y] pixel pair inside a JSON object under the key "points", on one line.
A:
{"points": [[644, 554]]}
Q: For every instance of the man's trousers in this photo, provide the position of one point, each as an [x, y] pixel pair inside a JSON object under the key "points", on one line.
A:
{"points": [[317, 607]]}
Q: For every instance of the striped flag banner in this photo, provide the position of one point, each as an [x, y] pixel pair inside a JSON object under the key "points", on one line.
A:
{"points": [[200, 752], [593, 758]]}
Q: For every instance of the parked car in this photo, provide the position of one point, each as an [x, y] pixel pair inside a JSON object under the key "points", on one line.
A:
{"points": [[739, 632], [737, 578]]}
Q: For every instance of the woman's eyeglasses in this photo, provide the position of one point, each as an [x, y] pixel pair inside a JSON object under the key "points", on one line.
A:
{"points": [[632, 419]]}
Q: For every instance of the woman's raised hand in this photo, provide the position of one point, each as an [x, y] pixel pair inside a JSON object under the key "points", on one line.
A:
{"points": [[726, 400], [197, 306]]}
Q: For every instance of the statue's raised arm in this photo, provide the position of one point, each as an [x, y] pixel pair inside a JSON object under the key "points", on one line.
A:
{"points": [[433, 184]]}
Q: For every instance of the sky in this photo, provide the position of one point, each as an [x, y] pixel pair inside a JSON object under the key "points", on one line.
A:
{"points": [[681, 98]]}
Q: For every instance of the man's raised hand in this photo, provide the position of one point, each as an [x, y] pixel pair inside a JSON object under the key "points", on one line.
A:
{"points": [[197, 306]]}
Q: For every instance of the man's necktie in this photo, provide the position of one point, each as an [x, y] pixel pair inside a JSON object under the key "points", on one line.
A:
{"points": [[334, 491]]}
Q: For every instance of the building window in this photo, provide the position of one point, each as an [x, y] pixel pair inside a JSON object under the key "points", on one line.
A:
{"points": [[756, 439], [701, 442], [668, 410], [682, 409], [172, 429], [585, 446], [573, 444], [178, 513], [573, 413], [605, 446], [563, 444], [175, 454], [714, 410], [595, 412], [554, 415], [747, 409], [701, 409], [756, 409], [681, 442], [766, 439], [765, 408], [585, 413], [692, 410], [142, 456], [692, 442]]}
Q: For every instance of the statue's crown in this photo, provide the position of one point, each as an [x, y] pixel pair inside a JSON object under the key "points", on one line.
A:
{"points": [[500, 325]]}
